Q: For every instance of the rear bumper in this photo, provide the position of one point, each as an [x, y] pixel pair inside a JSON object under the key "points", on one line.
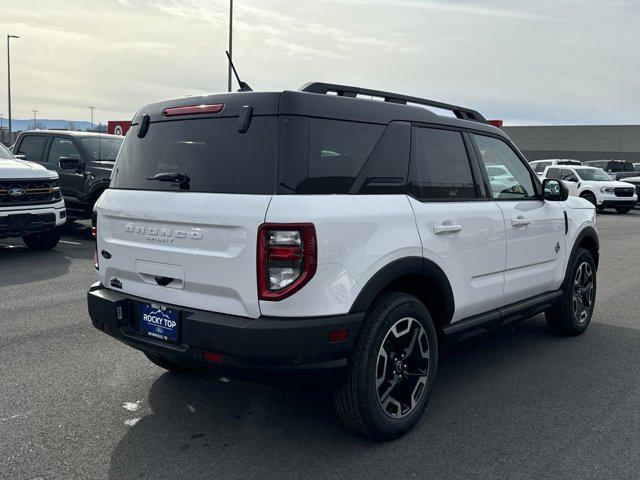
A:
{"points": [[244, 344]]}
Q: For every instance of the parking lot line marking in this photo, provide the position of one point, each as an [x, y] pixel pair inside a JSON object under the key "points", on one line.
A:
{"points": [[70, 243]]}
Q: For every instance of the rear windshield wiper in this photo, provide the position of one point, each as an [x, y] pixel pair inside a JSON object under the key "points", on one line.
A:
{"points": [[173, 177]]}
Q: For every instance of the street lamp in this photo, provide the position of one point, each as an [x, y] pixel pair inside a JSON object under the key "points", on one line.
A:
{"points": [[35, 119], [9, 37], [92, 109], [230, 43]]}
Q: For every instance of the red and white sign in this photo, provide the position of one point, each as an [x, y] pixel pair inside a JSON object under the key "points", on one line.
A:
{"points": [[118, 127]]}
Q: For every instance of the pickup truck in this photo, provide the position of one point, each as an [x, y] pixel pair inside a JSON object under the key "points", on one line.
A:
{"points": [[31, 204]]}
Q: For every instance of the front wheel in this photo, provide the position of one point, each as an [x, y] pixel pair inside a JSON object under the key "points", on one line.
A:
{"points": [[392, 370], [623, 209], [572, 315], [42, 241], [591, 198]]}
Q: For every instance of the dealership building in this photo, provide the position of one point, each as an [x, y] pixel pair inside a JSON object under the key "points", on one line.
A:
{"points": [[582, 142]]}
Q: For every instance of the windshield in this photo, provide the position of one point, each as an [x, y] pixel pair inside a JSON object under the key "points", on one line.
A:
{"points": [[5, 154], [102, 148], [594, 175]]}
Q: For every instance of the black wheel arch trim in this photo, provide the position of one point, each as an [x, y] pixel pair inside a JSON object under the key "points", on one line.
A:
{"points": [[586, 232], [401, 268]]}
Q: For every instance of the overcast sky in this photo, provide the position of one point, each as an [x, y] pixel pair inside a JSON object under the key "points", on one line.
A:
{"points": [[528, 62]]}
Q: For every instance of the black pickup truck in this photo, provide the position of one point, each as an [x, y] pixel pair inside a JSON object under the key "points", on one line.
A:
{"points": [[83, 160]]}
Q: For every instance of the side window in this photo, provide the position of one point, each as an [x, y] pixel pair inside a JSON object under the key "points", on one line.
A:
{"points": [[440, 166], [337, 152], [542, 166], [553, 173], [568, 176], [518, 183], [62, 147], [32, 147]]}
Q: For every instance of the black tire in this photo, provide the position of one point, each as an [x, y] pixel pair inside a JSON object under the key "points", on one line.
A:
{"points": [[167, 364], [591, 198], [623, 209], [357, 395], [42, 241], [567, 318]]}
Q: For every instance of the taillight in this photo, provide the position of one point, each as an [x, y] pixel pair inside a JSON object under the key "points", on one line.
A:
{"points": [[287, 258], [94, 234]]}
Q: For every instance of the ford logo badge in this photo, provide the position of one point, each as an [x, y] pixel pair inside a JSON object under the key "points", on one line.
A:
{"points": [[15, 192]]}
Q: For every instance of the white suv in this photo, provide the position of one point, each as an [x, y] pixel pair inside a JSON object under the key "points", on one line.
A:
{"points": [[31, 205], [315, 231], [596, 186], [539, 166]]}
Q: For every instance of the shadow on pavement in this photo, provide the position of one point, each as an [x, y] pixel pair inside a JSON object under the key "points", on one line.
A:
{"points": [[520, 403], [20, 265]]}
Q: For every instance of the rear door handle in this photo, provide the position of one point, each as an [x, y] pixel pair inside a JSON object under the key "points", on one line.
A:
{"points": [[444, 228], [520, 221]]}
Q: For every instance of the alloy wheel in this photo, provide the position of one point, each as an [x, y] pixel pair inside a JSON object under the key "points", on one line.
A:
{"points": [[583, 292], [402, 367]]}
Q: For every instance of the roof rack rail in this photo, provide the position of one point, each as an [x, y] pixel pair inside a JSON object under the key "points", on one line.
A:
{"points": [[352, 92]]}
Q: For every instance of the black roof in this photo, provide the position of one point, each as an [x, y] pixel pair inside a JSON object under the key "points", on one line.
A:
{"points": [[314, 101]]}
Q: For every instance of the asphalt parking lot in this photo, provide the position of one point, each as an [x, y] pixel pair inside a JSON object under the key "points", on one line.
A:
{"points": [[521, 403]]}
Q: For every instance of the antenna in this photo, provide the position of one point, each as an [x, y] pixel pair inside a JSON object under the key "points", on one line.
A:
{"points": [[243, 86]]}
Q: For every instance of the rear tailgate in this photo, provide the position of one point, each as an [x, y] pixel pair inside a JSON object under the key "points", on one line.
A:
{"points": [[196, 250]]}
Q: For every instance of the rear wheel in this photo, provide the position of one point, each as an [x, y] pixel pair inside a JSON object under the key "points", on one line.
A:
{"points": [[573, 314], [623, 209], [42, 241], [392, 370], [167, 364]]}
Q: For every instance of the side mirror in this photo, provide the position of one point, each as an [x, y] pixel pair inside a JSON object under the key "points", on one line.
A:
{"points": [[554, 190], [69, 163], [21, 156], [572, 179]]}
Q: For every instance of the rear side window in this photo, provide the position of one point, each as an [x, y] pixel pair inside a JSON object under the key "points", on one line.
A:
{"points": [[320, 156], [440, 166], [32, 147], [553, 173], [211, 152]]}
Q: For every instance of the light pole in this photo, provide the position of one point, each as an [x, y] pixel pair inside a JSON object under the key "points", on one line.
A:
{"points": [[230, 43], [92, 109], [35, 119], [9, 37]]}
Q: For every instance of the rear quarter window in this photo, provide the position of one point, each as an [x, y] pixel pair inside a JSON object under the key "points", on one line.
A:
{"points": [[32, 147]]}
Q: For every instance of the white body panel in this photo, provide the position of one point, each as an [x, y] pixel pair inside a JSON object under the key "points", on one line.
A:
{"points": [[357, 236], [535, 248], [473, 258], [206, 242], [23, 170]]}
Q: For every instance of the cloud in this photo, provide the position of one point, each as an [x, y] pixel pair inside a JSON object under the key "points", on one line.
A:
{"points": [[566, 61]]}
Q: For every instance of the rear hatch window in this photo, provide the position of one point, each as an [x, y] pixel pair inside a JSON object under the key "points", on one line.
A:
{"points": [[210, 151]]}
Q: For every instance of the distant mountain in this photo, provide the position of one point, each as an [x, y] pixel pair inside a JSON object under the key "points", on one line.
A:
{"points": [[46, 124]]}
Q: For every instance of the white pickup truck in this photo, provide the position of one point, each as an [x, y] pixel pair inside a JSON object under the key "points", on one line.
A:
{"points": [[31, 206]]}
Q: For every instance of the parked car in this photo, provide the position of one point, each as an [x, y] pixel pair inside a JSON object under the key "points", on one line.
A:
{"points": [[595, 185], [539, 165], [309, 232], [635, 181], [83, 160], [636, 167], [618, 169], [31, 206]]}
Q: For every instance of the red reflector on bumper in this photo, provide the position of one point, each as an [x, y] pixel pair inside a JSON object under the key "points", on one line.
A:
{"points": [[212, 357], [105, 328], [338, 336]]}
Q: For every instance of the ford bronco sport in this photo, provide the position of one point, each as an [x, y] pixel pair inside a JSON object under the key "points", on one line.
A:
{"points": [[331, 229], [31, 205]]}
